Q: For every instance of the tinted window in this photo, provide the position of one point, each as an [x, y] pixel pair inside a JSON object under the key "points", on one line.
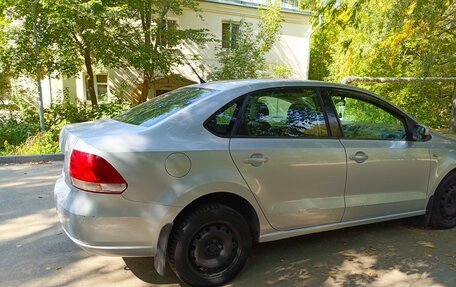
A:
{"points": [[152, 111], [362, 119], [222, 122], [284, 113]]}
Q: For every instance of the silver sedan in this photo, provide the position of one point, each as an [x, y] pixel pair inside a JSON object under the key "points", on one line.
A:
{"points": [[195, 176]]}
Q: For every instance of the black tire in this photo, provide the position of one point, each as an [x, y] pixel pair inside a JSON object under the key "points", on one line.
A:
{"points": [[443, 214], [209, 245]]}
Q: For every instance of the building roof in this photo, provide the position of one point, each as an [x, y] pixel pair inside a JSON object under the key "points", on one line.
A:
{"points": [[286, 7]]}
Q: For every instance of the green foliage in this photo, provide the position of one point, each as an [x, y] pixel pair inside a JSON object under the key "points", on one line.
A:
{"points": [[271, 22], [41, 143], [411, 38], [72, 36], [5, 86], [246, 60], [19, 129], [153, 45], [280, 71], [76, 27]]}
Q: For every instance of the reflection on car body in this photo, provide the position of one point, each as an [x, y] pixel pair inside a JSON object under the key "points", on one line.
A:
{"points": [[193, 177]]}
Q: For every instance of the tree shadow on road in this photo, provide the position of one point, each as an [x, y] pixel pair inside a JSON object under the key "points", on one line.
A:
{"points": [[397, 253]]}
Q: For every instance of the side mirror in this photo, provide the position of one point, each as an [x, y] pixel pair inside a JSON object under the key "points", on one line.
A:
{"points": [[421, 132]]}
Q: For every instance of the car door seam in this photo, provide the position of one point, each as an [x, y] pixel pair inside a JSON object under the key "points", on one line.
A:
{"points": [[346, 179], [248, 186]]}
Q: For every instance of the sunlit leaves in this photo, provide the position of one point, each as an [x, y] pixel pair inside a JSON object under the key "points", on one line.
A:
{"points": [[384, 38], [247, 59]]}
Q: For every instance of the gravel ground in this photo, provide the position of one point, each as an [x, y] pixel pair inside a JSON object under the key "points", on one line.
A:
{"points": [[35, 252]]}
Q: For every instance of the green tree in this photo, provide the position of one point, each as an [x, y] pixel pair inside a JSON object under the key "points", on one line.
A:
{"points": [[71, 35], [247, 58], [410, 38], [155, 43], [87, 33]]}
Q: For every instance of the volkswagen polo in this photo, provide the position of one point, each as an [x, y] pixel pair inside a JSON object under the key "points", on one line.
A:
{"points": [[195, 176]]}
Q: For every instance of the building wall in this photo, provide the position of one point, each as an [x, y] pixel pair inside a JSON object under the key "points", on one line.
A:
{"points": [[291, 49]]}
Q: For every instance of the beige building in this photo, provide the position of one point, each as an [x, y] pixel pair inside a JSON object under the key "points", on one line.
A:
{"points": [[221, 18]]}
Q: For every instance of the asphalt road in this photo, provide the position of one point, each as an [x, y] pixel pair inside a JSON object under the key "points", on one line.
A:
{"points": [[35, 252]]}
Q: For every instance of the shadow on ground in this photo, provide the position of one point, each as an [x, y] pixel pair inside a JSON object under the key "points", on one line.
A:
{"points": [[35, 252], [397, 253]]}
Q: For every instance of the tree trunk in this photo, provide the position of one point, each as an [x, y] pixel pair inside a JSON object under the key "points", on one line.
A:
{"points": [[146, 21], [90, 79], [145, 88]]}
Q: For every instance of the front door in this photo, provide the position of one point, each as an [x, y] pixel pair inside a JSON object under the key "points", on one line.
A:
{"points": [[386, 173], [284, 151]]}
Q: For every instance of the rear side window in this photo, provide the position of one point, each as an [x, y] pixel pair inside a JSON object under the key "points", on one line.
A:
{"points": [[284, 113], [222, 122], [158, 108]]}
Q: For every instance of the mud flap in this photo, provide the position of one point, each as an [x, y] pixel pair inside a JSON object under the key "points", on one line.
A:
{"points": [[160, 257], [429, 208]]}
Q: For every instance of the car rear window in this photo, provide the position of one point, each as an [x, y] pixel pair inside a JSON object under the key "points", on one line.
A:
{"points": [[158, 108]]}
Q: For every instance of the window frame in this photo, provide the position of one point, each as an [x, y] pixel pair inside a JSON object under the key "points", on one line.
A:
{"points": [[244, 100], [374, 100], [241, 101], [167, 20], [95, 82], [231, 44]]}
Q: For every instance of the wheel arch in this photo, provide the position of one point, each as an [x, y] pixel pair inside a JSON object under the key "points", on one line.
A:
{"points": [[450, 171], [235, 201], [441, 176], [232, 200]]}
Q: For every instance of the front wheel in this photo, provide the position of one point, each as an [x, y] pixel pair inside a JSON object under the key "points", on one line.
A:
{"points": [[444, 206], [210, 245]]}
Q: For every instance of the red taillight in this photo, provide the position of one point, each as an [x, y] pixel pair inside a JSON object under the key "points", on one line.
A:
{"points": [[90, 172]]}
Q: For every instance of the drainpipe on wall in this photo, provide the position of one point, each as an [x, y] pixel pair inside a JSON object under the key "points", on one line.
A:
{"points": [[320, 22]]}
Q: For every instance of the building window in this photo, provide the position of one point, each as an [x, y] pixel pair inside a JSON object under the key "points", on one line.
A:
{"points": [[101, 87], [230, 33], [168, 25]]}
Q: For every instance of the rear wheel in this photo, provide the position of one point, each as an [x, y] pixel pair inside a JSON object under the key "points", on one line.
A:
{"points": [[444, 207], [209, 245]]}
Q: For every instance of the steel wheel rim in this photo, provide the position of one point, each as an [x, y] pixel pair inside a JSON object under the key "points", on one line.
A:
{"points": [[213, 248]]}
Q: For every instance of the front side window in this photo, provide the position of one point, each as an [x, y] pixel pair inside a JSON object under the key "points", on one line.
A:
{"points": [[365, 120], [230, 33], [284, 113], [158, 108]]}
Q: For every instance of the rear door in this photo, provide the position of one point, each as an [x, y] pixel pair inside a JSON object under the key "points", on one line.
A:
{"points": [[387, 173], [284, 150]]}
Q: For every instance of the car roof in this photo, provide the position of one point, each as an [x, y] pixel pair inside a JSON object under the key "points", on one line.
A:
{"points": [[257, 84]]}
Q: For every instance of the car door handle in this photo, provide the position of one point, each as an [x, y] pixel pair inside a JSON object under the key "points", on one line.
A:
{"points": [[359, 157], [256, 160]]}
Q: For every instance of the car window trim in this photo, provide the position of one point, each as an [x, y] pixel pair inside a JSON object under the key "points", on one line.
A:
{"points": [[333, 119], [240, 118], [376, 102], [232, 123]]}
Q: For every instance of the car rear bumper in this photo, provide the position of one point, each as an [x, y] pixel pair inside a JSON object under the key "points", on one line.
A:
{"points": [[109, 224]]}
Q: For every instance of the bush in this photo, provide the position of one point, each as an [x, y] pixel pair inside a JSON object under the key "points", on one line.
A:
{"points": [[41, 143], [14, 132], [19, 127]]}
